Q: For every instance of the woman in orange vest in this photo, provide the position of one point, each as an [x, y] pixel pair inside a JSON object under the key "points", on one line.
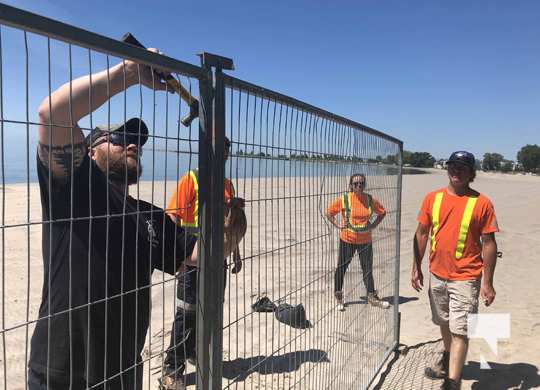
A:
{"points": [[356, 207]]}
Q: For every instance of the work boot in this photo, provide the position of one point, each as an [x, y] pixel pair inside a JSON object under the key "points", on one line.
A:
{"points": [[440, 369], [172, 379], [339, 299], [374, 300], [450, 384]]}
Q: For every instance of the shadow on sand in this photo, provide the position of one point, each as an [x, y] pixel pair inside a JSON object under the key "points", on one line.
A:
{"points": [[390, 300], [239, 369], [405, 370], [502, 376]]}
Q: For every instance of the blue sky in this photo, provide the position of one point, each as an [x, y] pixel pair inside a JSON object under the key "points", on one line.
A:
{"points": [[439, 75]]}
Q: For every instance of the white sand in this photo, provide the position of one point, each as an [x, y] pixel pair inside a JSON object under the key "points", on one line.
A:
{"points": [[517, 204], [291, 254]]}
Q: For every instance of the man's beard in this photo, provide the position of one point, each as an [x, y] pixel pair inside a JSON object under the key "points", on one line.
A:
{"points": [[117, 169]]}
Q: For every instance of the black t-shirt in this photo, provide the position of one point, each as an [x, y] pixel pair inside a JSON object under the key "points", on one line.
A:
{"points": [[99, 252]]}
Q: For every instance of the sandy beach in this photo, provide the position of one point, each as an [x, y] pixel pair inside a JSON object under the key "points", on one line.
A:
{"points": [[290, 254], [516, 201]]}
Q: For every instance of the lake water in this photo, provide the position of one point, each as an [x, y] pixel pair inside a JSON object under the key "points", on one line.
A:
{"points": [[170, 166]]}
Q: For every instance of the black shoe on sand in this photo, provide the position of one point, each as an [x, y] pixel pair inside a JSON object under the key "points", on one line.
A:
{"points": [[440, 369], [450, 384]]}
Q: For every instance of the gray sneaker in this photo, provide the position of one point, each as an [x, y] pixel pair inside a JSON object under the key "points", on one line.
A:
{"points": [[440, 369], [339, 299], [374, 300]]}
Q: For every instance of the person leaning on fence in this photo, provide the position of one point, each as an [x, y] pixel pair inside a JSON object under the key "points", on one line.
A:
{"points": [[356, 207], [183, 208], [100, 245], [463, 249]]}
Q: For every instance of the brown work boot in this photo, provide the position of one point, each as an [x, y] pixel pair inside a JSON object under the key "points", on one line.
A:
{"points": [[339, 299], [374, 300], [440, 369], [171, 379], [450, 384]]}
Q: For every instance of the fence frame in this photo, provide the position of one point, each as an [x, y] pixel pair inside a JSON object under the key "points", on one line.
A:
{"points": [[212, 85]]}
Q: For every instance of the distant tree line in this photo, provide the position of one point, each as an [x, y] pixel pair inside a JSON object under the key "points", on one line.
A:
{"points": [[528, 159], [389, 159], [418, 159]]}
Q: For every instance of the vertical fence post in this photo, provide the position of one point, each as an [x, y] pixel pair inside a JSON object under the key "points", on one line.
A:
{"points": [[211, 258], [397, 322]]}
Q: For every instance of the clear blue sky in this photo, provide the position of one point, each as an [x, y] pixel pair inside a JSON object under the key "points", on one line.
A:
{"points": [[440, 75]]}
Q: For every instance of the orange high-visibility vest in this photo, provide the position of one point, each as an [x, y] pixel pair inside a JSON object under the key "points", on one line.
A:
{"points": [[346, 204], [463, 229], [191, 219]]}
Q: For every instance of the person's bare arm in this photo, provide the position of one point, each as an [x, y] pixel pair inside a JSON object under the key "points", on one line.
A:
{"points": [[489, 254], [332, 220], [60, 138], [420, 241], [173, 217], [377, 221], [192, 259]]}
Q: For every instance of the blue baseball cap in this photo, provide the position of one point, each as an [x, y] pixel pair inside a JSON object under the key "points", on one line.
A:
{"points": [[462, 157]]}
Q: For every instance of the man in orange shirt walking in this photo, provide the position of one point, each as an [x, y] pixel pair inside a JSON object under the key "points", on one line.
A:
{"points": [[356, 208], [462, 261]]}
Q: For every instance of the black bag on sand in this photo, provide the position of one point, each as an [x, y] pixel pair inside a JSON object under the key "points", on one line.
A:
{"points": [[264, 305], [294, 316]]}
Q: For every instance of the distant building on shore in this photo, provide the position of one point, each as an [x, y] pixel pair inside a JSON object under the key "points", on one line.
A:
{"points": [[440, 164]]}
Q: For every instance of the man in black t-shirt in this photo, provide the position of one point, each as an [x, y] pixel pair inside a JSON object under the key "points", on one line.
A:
{"points": [[100, 245]]}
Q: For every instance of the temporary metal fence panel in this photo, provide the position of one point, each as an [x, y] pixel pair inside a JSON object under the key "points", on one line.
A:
{"points": [[37, 56], [291, 161], [288, 160]]}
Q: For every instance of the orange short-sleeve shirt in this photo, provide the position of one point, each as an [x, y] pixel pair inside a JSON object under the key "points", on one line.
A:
{"points": [[359, 216], [184, 202], [442, 261]]}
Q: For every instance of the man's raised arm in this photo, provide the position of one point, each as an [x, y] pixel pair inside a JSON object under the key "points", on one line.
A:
{"points": [[61, 140]]}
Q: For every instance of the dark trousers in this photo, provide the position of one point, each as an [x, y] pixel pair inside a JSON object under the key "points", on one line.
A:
{"points": [[183, 337], [346, 253], [38, 381], [184, 332]]}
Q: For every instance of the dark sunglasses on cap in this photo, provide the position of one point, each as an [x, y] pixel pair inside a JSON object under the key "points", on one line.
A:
{"points": [[119, 139]]}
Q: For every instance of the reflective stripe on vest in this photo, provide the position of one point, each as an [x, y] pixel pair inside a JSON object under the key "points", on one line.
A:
{"points": [[435, 216], [194, 175], [346, 202], [463, 228], [193, 226]]}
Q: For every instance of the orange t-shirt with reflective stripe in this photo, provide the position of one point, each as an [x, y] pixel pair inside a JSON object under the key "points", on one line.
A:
{"points": [[183, 202], [442, 261], [359, 215]]}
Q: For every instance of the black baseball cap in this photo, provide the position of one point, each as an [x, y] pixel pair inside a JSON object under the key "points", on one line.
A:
{"points": [[462, 157], [134, 129]]}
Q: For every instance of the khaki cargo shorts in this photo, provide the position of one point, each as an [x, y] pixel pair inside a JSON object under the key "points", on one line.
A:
{"points": [[452, 301]]}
